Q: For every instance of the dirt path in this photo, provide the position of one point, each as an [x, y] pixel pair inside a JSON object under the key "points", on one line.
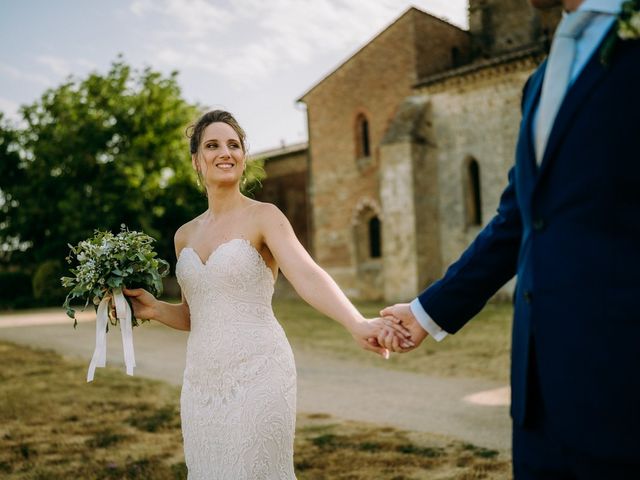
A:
{"points": [[473, 410]]}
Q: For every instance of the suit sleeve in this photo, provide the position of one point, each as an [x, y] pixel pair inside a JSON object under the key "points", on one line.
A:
{"points": [[486, 265]]}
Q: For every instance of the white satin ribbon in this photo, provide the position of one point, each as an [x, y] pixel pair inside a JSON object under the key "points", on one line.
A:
{"points": [[99, 358], [123, 313]]}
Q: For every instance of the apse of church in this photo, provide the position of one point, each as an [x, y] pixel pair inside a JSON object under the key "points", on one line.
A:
{"points": [[410, 142]]}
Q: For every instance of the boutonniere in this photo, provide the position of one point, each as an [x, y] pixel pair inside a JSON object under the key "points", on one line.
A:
{"points": [[627, 27]]}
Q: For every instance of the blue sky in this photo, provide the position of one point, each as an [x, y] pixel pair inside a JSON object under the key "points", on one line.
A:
{"points": [[251, 57]]}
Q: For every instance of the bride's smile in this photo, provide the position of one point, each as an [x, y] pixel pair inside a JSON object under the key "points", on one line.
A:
{"points": [[225, 165]]}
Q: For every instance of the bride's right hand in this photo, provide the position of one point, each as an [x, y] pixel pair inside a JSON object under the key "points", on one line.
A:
{"points": [[144, 304]]}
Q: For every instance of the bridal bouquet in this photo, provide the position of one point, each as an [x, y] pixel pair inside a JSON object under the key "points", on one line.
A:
{"points": [[106, 264]]}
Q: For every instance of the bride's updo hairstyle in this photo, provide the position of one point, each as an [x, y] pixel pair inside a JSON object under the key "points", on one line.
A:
{"points": [[194, 131]]}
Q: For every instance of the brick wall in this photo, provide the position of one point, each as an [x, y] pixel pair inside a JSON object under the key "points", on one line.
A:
{"points": [[373, 82]]}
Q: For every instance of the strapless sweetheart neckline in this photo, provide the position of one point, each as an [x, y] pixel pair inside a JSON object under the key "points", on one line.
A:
{"points": [[226, 244]]}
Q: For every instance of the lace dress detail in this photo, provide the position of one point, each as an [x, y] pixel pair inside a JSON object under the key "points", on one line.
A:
{"points": [[238, 398]]}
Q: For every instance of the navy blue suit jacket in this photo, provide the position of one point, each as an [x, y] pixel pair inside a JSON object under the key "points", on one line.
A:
{"points": [[570, 231]]}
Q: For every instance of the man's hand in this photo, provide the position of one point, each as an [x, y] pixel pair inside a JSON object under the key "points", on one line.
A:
{"points": [[400, 315]]}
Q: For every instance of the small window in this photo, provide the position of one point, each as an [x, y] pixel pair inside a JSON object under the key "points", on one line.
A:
{"points": [[363, 148], [455, 57], [375, 247], [367, 233], [474, 200]]}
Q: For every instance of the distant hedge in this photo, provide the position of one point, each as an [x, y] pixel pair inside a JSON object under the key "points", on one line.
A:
{"points": [[47, 289], [15, 290]]}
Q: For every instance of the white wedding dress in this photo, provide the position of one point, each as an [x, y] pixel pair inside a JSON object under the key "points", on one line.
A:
{"points": [[238, 399]]}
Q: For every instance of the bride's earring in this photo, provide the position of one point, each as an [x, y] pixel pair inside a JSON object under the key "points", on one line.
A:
{"points": [[199, 180]]}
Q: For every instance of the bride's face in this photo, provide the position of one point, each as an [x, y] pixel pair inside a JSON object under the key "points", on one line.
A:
{"points": [[220, 157]]}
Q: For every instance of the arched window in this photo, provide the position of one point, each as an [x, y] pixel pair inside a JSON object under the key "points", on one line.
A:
{"points": [[473, 193], [367, 233], [375, 245], [363, 148]]}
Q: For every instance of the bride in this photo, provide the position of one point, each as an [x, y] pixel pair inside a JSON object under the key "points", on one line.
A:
{"points": [[238, 398]]}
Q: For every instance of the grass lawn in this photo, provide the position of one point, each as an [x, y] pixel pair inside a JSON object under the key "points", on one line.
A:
{"points": [[480, 350], [53, 426]]}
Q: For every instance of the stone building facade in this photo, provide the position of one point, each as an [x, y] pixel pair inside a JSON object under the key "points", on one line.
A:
{"points": [[410, 142]]}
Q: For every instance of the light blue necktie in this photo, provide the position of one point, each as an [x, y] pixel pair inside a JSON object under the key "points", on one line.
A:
{"points": [[558, 74]]}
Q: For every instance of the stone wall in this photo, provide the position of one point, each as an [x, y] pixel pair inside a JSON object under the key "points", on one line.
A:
{"points": [[499, 26], [474, 116], [409, 191]]}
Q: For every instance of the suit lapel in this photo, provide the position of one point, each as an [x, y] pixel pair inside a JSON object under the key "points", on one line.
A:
{"points": [[590, 76], [529, 108]]}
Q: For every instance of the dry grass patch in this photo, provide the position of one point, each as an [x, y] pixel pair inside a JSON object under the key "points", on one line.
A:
{"points": [[349, 450], [53, 426]]}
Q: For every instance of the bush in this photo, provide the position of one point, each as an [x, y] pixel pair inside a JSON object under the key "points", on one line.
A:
{"points": [[47, 288], [15, 289], [14, 284]]}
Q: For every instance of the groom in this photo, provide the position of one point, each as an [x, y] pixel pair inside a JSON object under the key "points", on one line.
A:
{"points": [[568, 225]]}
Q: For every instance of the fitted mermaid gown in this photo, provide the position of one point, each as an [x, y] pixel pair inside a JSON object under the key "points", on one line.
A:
{"points": [[238, 396]]}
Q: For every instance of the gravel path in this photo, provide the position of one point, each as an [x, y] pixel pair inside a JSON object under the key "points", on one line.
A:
{"points": [[472, 410]]}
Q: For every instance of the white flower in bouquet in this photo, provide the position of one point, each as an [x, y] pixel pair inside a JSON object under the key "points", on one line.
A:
{"points": [[106, 264]]}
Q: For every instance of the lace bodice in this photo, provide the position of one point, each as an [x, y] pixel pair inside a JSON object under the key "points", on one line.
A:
{"points": [[238, 395]]}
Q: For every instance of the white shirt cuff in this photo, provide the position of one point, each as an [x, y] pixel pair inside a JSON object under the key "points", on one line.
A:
{"points": [[426, 322]]}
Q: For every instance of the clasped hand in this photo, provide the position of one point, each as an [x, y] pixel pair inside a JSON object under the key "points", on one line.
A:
{"points": [[401, 332]]}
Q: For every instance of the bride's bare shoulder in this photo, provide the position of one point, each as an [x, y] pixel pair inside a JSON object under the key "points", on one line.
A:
{"points": [[182, 235], [264, 208], [267, 215]]}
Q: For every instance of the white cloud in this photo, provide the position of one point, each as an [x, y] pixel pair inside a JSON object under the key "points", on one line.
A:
{"points": [[140, 7], [194, 18], [64, 67], [59, 66], [20, 75], [252, 40], [86, 64]]}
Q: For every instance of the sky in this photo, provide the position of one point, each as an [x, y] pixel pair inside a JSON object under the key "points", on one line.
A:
{"points": [[254, 58]]}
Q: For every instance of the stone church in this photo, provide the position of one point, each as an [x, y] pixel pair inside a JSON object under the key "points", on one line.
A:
{"points": [[410, 142]]}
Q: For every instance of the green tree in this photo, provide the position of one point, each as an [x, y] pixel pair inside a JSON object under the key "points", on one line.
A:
{"points": [[11, 173], [95, 153]]}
